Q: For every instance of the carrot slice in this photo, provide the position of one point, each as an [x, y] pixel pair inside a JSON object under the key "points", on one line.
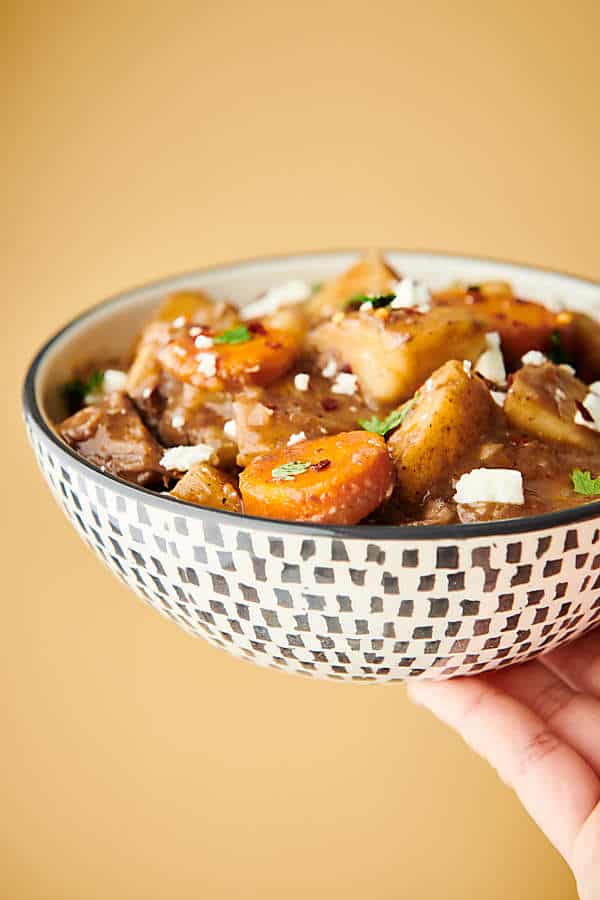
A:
{"points": [[523, 324], [337, 479], [260, 359]]}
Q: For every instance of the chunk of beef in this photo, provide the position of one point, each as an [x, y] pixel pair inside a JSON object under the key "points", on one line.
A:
{"points": [[112, 435], [267, 417]]}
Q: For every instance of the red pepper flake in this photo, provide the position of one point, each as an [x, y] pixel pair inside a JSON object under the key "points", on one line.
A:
{"points": [[256, 328], [274, 345], [346, 368], [329, 404], [322, 464]]}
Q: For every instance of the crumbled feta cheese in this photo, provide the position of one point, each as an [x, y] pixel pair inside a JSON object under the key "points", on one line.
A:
{"points": [[424, 307], [491, 362], [409, 293], [330, 370], [301, 381], [498, 397], [177, 421], [533, 358], [567, 368], [490, 486], [467, 365], [179, 322], [592, 404], [366, 306], [230, 429], [182, 458], [296, 438], [195, 331], [112, 380], [147, 392], [345, 383], [594, 387], [202, 341], [207, 364], [290, 292]]}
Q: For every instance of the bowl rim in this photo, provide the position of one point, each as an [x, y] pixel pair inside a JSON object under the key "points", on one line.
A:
{"points": [[501, 527]]}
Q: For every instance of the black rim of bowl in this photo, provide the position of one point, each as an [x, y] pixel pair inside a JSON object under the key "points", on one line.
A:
{"points": [[403, 533]]}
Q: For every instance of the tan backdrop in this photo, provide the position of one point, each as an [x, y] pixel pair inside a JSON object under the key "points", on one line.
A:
{"points": [[145, 138]]}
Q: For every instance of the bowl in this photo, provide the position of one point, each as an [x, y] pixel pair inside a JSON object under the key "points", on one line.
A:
{"points": [[362, 603]]}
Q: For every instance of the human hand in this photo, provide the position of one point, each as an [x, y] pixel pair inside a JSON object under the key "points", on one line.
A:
{"points": [[538, 724]]}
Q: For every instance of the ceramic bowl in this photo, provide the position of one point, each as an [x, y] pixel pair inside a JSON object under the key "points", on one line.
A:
{"points": [[350, 603]]}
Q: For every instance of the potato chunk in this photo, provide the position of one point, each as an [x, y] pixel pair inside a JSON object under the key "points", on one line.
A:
{"points": [[543, 400], [370, 275], [452, 412], [338, 479], [393, 351], [200, 309], [207, 486]]}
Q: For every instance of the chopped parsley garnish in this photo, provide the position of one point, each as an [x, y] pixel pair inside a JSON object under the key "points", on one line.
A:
{"points": [[357, 301], [95, 382], [288, 471], [76, 390], [583, 483], [316, 286], [395, 418], [557, 352], [238, 335]]}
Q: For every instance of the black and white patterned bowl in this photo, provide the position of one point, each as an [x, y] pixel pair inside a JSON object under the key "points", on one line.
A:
{"points": [[357, 604]]}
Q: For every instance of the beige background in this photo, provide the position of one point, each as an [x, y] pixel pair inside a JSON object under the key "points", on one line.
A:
{"points": [[148, 138]]}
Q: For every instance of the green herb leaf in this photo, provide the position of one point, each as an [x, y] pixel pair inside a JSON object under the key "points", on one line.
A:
{"points": [[393, 420], [583, 483], [557, 352], [357, 301], [238, 335], [288, 471], [316, 286], [95, 382]]}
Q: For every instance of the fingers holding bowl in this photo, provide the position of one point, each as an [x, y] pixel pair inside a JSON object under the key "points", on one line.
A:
{"points": [[578, 664], [573, 716], [555, 784]]}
